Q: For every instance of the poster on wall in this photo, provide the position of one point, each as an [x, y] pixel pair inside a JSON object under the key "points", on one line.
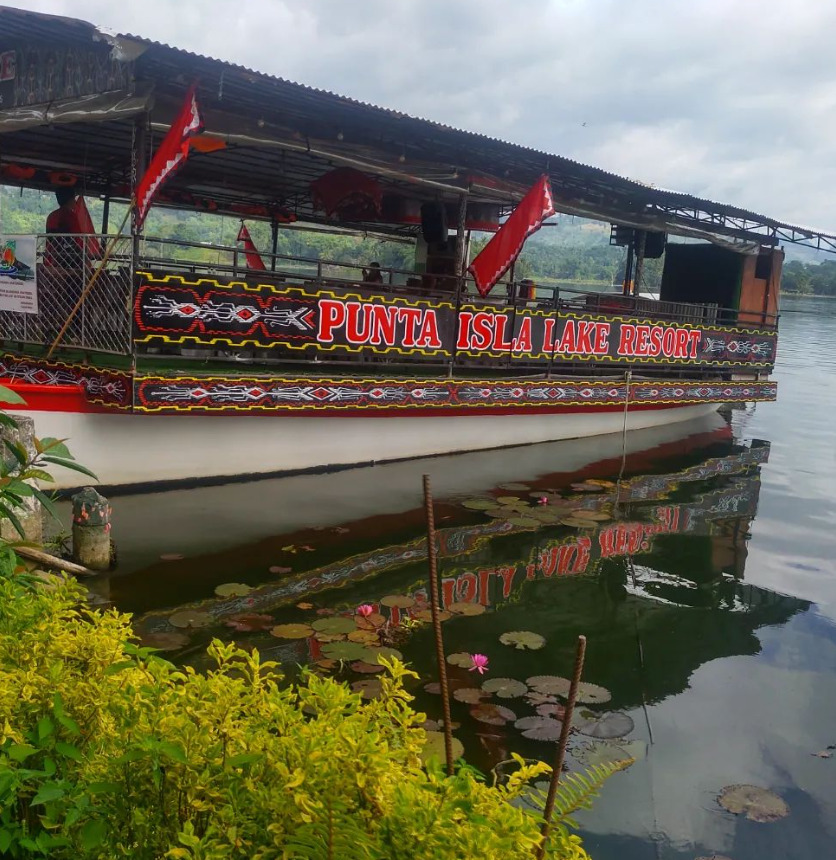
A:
{"points": [[18, 274]]}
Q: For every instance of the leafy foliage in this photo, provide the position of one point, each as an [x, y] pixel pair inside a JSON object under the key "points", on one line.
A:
{"points": [[108, 751]]}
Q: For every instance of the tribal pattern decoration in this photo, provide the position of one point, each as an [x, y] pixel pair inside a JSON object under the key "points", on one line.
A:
{"points": [[109, 388], [305, 395], [292, 320]]}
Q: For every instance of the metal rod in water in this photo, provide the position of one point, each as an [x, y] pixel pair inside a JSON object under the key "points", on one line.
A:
{"points": [[439, 642], [540, 850]]}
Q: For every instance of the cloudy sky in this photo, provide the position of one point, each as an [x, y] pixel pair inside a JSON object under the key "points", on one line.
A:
{"points": [[734, 100]]}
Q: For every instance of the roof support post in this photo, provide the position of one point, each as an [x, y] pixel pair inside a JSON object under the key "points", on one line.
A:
{"points": [[274, 232]]}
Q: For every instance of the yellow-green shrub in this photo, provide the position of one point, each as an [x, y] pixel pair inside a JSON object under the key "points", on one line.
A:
{"points": [[108, 751]]}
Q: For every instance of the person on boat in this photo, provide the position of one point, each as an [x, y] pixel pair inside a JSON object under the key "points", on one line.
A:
{"points": [[373, 275], [63, 250]]}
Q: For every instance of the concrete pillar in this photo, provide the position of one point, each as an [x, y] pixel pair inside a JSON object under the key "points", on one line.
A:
{"points": [[91, 529], [30, 514]]}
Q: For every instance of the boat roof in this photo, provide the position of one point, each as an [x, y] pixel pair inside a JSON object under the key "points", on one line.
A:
{"points": [[277, 136]]}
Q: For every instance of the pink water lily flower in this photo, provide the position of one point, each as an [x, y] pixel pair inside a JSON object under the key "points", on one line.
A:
{"points": [[365, 610], [543, 500], [480, 663]]}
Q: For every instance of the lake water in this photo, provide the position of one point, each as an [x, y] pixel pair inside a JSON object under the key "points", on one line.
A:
{"points": [[709, 598]]}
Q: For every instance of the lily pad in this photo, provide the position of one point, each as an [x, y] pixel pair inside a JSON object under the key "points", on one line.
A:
{"points": [[233, 589], [345, 651], [292, 631], [373, 621], [434, 687], [508, 500], [549, 685], [369, 689], [514, 487], [364, 637], [478, 504], [279, 568], [250, 622], [426, 615], [592, 694], [492, 715], [438, 725], [523, 640], [610, 725], [505, 688], [551, 709], [337, 624], [325, 638], [165, 641], [190, 618], [538, 699], [758, 804], [592, 516], [462, 608], [326, 664], [525, 522], [372, 652], [401, 601], [434, 747], [539, 728], [365, 668], [461, 659], [498, 513], [470, 695], [605, 752], [577, 523]]}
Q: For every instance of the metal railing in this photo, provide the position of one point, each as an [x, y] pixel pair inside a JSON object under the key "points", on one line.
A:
{"points": [[65, 264]]}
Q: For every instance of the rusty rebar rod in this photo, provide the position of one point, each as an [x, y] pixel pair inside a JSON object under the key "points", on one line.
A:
{"points": [[432, 559], [540, 850]]}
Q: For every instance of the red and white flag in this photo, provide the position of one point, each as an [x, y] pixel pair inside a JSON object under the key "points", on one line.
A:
{"points": [[170, 155], [494, 260], [254, 260]]}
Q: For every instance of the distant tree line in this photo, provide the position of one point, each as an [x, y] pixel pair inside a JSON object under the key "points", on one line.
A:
{"points": [[810, 279]]}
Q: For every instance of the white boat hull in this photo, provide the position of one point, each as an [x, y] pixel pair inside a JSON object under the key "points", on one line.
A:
{"points": [[133, 449]]}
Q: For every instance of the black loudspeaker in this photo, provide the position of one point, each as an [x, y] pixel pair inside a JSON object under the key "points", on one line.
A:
{"points": [[433, 222], [654, 245]]}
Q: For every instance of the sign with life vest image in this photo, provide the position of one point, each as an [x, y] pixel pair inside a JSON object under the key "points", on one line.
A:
{"points": [[18, 274]]}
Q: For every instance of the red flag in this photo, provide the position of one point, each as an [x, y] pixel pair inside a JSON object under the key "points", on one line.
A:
{"points": [[496, 257], [254, 260], [170, 155]]}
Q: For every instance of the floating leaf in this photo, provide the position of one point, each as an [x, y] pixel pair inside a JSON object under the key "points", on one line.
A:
{"points": [[462, 608], [596, 753], [538, 699], [292, 631], [190, 618], [470, 695], [759, 804], [452, 684], [505, 688], [232, 589], [250, 622], [401, 601], [539, 728], [508, 500], [345, 651], [498, 513], [365, 668], [172, 556], [278, 568], [438, 725], [461, 659], [525, 522], [576, 523], [493, 715], [549, 685], [592, 516], [372, 621], [434, 747], [553, 710], [478, 504], [592, 694], [372, 652], [364, 637], [304, 605], [610, 725], [369, 689], [427, 615], [522, 640], [514, 488], [327, 664], [165, 641], [329, 637], [325, 611], [337, 624]]}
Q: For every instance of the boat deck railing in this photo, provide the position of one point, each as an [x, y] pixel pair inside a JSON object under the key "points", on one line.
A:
{"points": [[103, 321]]}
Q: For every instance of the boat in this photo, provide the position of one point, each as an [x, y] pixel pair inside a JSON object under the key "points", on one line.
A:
{"points": [[164, 360]]}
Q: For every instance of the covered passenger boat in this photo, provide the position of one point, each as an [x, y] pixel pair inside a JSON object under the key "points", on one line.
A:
{"points": [[160, 366]]}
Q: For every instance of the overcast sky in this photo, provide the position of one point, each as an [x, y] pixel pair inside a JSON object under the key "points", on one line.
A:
{"points": [[734, 100]]}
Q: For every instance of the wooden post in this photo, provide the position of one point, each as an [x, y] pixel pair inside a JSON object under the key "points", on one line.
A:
{"points": [[91, 529], [434, 607], [540, 850]]}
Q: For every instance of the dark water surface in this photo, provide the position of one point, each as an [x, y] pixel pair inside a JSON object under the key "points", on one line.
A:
{"points": [[709, 599]]}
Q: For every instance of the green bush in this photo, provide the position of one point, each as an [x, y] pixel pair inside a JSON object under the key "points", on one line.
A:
{"points": [[108, 751]]}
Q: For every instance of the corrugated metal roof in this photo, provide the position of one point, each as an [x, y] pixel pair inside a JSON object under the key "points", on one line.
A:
{"points": [[637, 197]]}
